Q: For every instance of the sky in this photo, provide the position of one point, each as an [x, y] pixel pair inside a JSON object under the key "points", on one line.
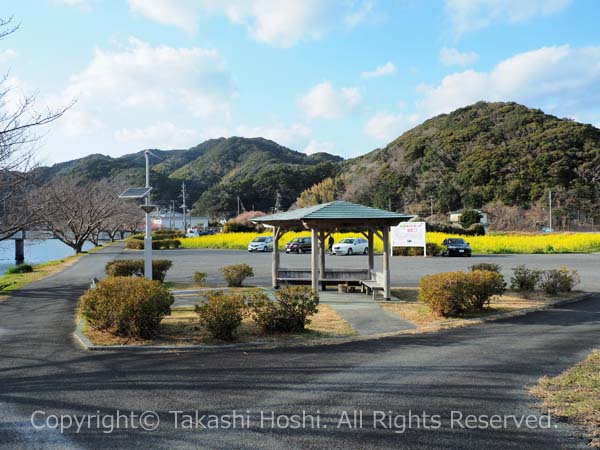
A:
{"points": [[341, 76]]}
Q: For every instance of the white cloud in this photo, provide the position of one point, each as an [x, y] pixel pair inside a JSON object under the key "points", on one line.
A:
{"points": [[386, 126], [558, 79], [380, 71], [454, 57], [158, 135], [471, 15], [275, 22], [141, 76], [315, 146], [183, 14], [358, 16], [324, 101], [7, 55]]}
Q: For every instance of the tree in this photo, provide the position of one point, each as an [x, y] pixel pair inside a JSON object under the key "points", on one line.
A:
{"points": [[74, 210], [469, 217], [19, 122]]}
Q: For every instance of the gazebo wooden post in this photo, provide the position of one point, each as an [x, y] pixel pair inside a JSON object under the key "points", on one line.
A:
{"points": [[386, 262], [275, 268], [371, 250], [322, 237], [314, 266]]}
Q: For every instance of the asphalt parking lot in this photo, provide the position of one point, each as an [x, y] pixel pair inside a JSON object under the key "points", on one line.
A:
{"points": [[405, 271]]}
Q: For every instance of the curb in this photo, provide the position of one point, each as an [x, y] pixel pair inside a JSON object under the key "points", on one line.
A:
{"points": [[257, 345]]}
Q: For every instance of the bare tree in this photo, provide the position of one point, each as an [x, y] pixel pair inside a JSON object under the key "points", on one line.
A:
{"points": [[128, 218], [19, 123], [76, 211]]}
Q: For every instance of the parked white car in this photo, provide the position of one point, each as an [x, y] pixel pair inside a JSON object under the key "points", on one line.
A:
{"points": [[261, 244], [351, 246]]}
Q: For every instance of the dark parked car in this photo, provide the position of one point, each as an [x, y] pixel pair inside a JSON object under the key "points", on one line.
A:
{"points": [[299, 245], [456, 247]]}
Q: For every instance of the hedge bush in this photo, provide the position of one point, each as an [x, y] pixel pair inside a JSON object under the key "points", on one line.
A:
{"points": [[135, 268], [444, 293], [20, 268], [453, 294], [524, 279], [486, 266], [482, 285], [222, 313], [236, 274], [290, 312], [559, 280], [126, 306], [134, 244], [199, 278], [432, 250]]}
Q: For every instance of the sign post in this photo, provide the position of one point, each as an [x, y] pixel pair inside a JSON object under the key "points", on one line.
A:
{"points": [[410, 234]]}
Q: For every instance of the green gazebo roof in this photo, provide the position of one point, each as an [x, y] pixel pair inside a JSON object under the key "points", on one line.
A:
{"points": [[337, 213]]}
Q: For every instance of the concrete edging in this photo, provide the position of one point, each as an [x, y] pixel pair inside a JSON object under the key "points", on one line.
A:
{"points": [[85, 342]]}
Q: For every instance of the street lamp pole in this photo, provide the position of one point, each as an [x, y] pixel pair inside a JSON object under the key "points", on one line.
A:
{"points": [[148, 236]]}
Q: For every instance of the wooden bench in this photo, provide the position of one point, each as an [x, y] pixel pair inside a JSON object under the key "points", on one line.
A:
{"points": [[332, 276], [373, 284]]}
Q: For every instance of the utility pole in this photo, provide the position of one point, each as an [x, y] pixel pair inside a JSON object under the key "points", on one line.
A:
{"points": [[172, 218], [431, 204], [238, 205], [184, 206], [277, 202], [550, 209], [389, 203]]}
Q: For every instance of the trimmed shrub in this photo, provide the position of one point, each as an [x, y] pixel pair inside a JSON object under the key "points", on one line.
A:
{"points": [[452, 294], [477, 229], [135, 268], [159, 242], [134, 244], [222, 313], [444, 293], [432, 250], [524, 279], [199, 278], [236, 274], [126, 306], [20, 268], [290, 311], [160, 267], [559, 280], [482, 285], [486, 266]]}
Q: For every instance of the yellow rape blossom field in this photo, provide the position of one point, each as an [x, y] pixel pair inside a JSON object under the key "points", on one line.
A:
{"points": [[491, 244]]}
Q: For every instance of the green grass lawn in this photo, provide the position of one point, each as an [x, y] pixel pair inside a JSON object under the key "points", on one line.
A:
{"points": [[575, 395]]}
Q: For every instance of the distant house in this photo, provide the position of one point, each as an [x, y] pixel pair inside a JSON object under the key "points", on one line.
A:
{"points": [[455, 217], [166, 219]]}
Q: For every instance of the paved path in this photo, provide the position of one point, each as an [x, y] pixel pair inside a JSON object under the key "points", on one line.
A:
{"points": [[365, 316], [483, 369]]}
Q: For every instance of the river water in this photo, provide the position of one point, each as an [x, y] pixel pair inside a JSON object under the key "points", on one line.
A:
{"points": [[36, 251]]}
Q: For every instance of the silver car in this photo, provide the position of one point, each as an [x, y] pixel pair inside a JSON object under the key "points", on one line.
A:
{"points": [[261, 244], [351, 246]]}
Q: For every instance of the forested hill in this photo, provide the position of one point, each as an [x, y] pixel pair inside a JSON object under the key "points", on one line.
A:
{"points": [[486, 152], [500, 153], [216, 172]]}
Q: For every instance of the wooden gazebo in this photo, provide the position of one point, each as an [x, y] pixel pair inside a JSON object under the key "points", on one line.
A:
{"points": [[325, 219]]}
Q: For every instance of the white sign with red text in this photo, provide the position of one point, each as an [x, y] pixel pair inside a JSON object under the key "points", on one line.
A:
{"points": [[409, 234]]}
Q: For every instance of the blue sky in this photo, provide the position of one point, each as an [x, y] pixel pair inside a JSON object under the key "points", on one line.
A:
{"points": [[343, 76]]}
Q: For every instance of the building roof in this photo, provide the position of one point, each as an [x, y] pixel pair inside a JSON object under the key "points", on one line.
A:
{"points": [[336, 213]]}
